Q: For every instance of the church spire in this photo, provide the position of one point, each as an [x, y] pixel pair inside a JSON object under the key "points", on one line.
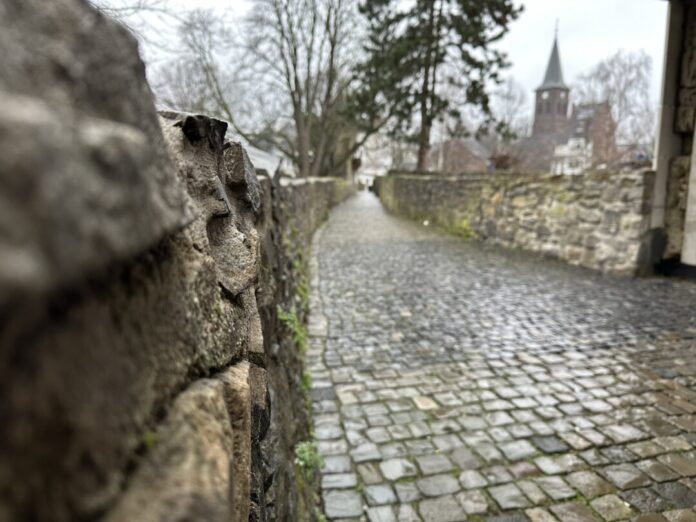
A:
{"points": [[554, 73], [551, 105]]}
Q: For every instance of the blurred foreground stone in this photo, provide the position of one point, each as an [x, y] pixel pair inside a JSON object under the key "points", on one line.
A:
{"points": [[144, 373]]}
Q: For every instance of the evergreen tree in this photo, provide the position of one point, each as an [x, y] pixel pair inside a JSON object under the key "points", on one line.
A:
{"points": [[425, 60]]}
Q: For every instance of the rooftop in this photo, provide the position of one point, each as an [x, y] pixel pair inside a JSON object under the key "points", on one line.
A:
{"points": [[554, 74]]}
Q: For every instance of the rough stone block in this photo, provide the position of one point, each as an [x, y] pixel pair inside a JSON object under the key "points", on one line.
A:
{"points": [[226, 231], [197, 467], [146, 330], [610, 222], [241, 172], [238, 383], [591, 216], [688, 69], [633, 226], [684, 119], [687, 96], [573, 254], [86, 180]]}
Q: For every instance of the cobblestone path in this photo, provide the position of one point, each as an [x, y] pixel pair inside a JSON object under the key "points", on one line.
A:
{"points": [[454, 381]]}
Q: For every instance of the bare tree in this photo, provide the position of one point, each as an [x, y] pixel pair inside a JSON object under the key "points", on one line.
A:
{"points": [[624, 81], [126, 8], [148, 20], [302, 51], [209, 74], [510, 121], [282, 86], [510, 107], [196, 80], [181, 84]]}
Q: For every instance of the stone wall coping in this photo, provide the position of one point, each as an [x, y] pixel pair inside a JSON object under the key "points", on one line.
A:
{"points": [[597, 219], [513, 176], [287, 182]]}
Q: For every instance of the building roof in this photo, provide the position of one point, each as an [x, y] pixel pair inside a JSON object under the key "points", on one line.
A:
{"points": [[583, 116], [554, 74]]}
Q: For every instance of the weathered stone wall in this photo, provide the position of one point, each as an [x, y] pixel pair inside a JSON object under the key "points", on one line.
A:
{"points": [[685, 117], [686, 109], [144, 373], [675, 206], [298, 208], [597, 220]]}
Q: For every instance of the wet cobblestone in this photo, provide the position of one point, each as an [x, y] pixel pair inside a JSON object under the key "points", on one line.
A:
{"points": [[455, 381]]}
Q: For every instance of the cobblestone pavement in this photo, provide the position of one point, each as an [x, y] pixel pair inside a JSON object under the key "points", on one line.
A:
{"points": [[454, 381]]}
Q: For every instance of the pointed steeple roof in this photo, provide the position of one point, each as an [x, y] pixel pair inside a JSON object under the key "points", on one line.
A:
{"points": [[554, 73]]}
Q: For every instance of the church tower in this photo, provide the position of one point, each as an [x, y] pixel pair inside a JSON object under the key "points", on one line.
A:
{"points": [[551, 107]]}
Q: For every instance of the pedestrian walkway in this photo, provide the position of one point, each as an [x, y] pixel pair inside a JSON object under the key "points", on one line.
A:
{"points": [[455, 381]]}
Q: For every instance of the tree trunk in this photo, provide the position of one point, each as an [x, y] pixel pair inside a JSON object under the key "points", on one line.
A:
{"points": [[424, 134], [303, 145], [423, 146]]}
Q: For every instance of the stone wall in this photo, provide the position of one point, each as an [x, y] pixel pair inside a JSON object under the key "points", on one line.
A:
{"points": [[144, 372], [675, 206], [298, 208], [683, 125], [597, 220], [686, 101]]}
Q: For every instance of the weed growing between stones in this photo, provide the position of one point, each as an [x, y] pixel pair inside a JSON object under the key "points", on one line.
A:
{"points": [[308, 462], [299, 274], [318, 515], [148, 440], [306, 384], [303, 294], [462, 228], [308, 459], [297, 329]]}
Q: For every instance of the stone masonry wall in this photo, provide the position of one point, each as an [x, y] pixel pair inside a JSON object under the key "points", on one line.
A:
{"points": [[298, 208], [675, 205], [597, 220], [685, 118], [144, 373]]}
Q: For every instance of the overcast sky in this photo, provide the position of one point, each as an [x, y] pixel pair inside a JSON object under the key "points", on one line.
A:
{"points": [[589, 31]]}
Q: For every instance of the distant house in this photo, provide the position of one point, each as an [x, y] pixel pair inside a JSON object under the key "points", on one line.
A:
{"points": [[381, 153], [590, 142], [572, 157], [634, 157], [459, 156], [565, 139]]}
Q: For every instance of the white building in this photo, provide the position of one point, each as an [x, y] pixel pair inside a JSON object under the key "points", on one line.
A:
{"points": [[572, 157]]}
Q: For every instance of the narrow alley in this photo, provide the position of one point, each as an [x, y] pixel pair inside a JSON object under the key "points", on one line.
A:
{"points": [[456, 381]]}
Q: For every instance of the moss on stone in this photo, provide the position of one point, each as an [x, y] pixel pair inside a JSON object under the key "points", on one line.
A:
{"points": [[149, 440], [303, 294], [558, 211], [461, 228], [297, 330], [308, 500], [564, 196], [306, 381]]}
